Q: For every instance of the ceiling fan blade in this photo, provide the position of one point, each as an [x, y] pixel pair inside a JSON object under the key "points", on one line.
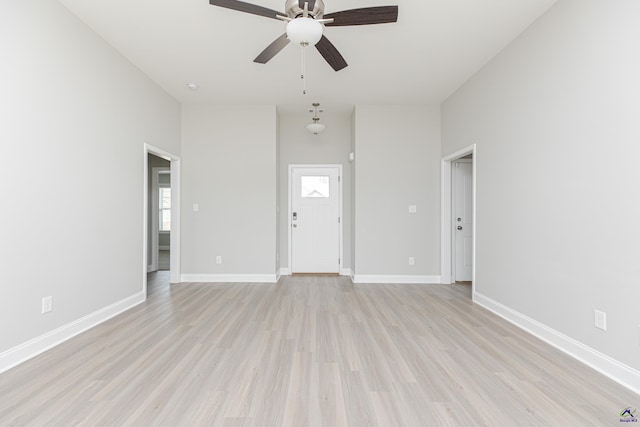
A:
{"points": [[331, 54], [247, 8], [276, 46], [363, 16]]}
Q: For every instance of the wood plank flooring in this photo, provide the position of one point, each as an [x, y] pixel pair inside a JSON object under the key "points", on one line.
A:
{"points": [[308, 351]]}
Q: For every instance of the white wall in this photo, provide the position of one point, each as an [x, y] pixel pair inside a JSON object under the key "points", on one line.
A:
{"points": [[229, 157], [67, 100], [352, 150], [397, 151], [279, 214], [556, 120], [298, 146]]}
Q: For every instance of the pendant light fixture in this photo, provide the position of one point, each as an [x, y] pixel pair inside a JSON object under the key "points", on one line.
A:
{"points": [[315, 127]]}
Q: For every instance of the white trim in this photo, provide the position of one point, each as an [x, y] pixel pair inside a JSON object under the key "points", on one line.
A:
{"points": [[285, 271], [150, 268], [341, 213], [606, 365], [174, 244], [174, 269], [446, 248], [229, 278], [345, 272], [397, 279], [23, 352]]}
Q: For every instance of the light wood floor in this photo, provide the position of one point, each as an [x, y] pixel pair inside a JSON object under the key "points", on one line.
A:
{"points": [[308, 351]]}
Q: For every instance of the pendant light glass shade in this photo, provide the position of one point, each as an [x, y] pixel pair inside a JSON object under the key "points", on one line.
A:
{"points": [[315, 127], [304, 31]]}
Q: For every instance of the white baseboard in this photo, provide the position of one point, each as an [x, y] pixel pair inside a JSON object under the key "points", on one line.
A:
{"points": [[229, 278], [23, 352], [286, 271], [345, 272], [149, 268], [617, 371], [399, 279]]}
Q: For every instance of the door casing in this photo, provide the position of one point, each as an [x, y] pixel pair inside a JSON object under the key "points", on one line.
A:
{"points": [[174, 268], [446, 224], [290, 211]]}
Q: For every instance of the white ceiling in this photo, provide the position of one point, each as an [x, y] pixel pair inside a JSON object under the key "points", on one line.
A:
{"points": [[433, 48]]}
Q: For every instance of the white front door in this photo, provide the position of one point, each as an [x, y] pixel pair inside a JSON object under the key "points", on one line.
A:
{"points": [[463, 220], [315, 219]]}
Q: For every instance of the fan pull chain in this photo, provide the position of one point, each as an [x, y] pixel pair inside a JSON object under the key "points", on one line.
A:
{"points": [[304, 81]]}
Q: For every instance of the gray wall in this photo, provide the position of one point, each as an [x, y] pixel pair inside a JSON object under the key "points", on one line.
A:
{"points": [[68, 99], [397, 151], [556, 120], [298, 146], [229, 157]]}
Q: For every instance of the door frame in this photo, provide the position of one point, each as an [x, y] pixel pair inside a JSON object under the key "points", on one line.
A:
{"points": [[155, 220], [446, 206], [290, 211], [174, 266]]}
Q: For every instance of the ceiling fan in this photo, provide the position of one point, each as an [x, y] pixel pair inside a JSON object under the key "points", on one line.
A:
{"points": [[306, 20]]}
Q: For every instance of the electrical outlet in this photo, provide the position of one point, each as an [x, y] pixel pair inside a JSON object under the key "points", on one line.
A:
{"points": [[218, 259], [412, 260], [47, 304], [600, 319]]}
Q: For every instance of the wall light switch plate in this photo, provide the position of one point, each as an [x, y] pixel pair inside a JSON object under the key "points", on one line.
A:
{"points": [[195, 207], [219, 259], [600, 319], [47, 303], [413, 209], [412, 261]]}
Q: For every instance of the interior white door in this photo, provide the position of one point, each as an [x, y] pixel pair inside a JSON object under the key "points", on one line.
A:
{"points": [[463, 220], [315, 220]]}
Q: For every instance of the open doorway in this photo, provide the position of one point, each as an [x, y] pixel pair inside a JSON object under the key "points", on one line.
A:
{"points": [[159, 227], [161, 216], [458, 217]]}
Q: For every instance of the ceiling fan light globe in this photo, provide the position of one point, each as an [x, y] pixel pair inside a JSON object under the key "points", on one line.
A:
{"points": [[304, 31], [315, 127]]}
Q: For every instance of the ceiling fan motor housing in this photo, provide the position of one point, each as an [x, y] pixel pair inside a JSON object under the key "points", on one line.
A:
{"points": [[293, 9]]}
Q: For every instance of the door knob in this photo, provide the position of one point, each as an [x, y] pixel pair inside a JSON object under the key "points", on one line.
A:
{"points": [[459, 227], [294, 225]]}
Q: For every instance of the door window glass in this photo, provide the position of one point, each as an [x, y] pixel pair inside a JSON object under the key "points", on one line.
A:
{"points": [[315, 186]]}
